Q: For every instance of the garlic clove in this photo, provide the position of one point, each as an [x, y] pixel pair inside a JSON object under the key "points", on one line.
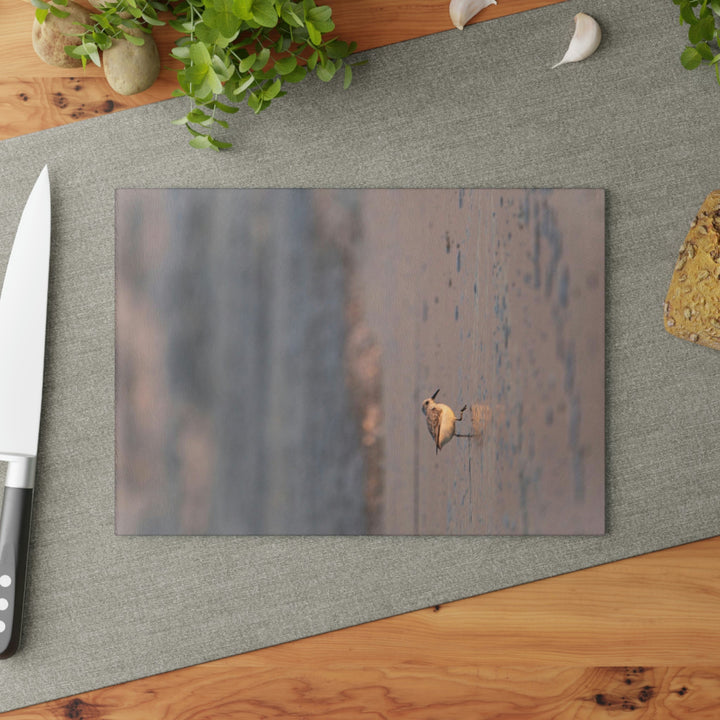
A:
{"points": [[584, 41], [463, 10]]}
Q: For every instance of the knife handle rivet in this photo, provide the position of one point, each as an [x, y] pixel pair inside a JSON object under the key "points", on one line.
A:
{"points": [[5, 580], [2, 626], [3, 604]]}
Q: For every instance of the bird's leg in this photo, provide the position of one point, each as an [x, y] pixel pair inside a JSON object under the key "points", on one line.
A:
{"points": [[462, 410]]}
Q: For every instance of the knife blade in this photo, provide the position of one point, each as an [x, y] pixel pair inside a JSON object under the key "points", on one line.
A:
{"points": [[23, 314]]}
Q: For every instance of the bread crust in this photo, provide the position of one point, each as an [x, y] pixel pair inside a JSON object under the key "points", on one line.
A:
{"points": [[692, 304]]}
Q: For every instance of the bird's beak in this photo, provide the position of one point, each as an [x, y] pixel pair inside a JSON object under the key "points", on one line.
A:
{"points": [[434, 395]]}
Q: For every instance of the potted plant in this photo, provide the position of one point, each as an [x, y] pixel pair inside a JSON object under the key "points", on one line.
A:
{"points": [[232, 51]]}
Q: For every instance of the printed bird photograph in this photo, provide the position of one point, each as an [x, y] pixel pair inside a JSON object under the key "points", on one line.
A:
{"points": [[441, 421], [360, 362]]}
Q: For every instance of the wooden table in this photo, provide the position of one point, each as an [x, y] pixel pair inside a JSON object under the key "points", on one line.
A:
{"points": [[638, 636], [35, 96]]}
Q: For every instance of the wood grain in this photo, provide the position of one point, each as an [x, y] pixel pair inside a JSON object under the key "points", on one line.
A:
{"points": [[640, 635], [35, 96]]}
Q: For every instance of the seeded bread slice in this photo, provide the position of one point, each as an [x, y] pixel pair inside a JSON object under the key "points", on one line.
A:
{"points": [[692, 305]]}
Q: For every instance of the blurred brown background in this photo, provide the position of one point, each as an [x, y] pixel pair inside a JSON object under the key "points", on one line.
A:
{"points": [[274, 348]]}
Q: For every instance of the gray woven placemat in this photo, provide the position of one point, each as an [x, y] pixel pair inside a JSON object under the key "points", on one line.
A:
{"points": [[473, 109]]}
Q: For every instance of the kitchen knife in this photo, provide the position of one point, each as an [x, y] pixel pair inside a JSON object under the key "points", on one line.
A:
{"points": [[23, 310]]}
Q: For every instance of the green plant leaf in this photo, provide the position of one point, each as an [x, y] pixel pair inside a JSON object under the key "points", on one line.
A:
{"points": [[715, 5], [133, 39], [325, 72], [272, 90], [264, 13], [244, 85], [313, 33], [41, 14], [246, 63], [213, 81], [180, 53], [296, 75], [194, 75], [222, 16], [229, 109], [702, 30], [199, 54], [262, 59], [243, 9], [704, 49], [337, 49], [244, 49], [219, 145], [688, 14], [285, 65], [289, 15], [320, 17], [202, 142], [319, 14], [690, 58], [254, 102], [58, 13], [151, 18]]}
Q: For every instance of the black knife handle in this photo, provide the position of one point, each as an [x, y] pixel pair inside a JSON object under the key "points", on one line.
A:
{"points": [[14, 543]]}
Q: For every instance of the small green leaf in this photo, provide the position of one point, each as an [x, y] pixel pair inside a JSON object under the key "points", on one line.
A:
{"points": [[291, 17], [715, 5], [296, 75], [41, 14], [195, 74], [285, 65], [702, 30], [704, 49], [254, 102], [325, 72], [264, 13], [262, 59], [243, 9], [688, 14], [199, 54], [181, 53], [246, 63], [202, 142], [319, 14], [150, 20], [337, 49], [244, 85], [312, 60], [41, 4], [313, 33], [58, 13], [92, 52], [272, 90], [213, 81], [690, 58], [348, 77], [229, 109], [134, 40], [219, 145]]}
